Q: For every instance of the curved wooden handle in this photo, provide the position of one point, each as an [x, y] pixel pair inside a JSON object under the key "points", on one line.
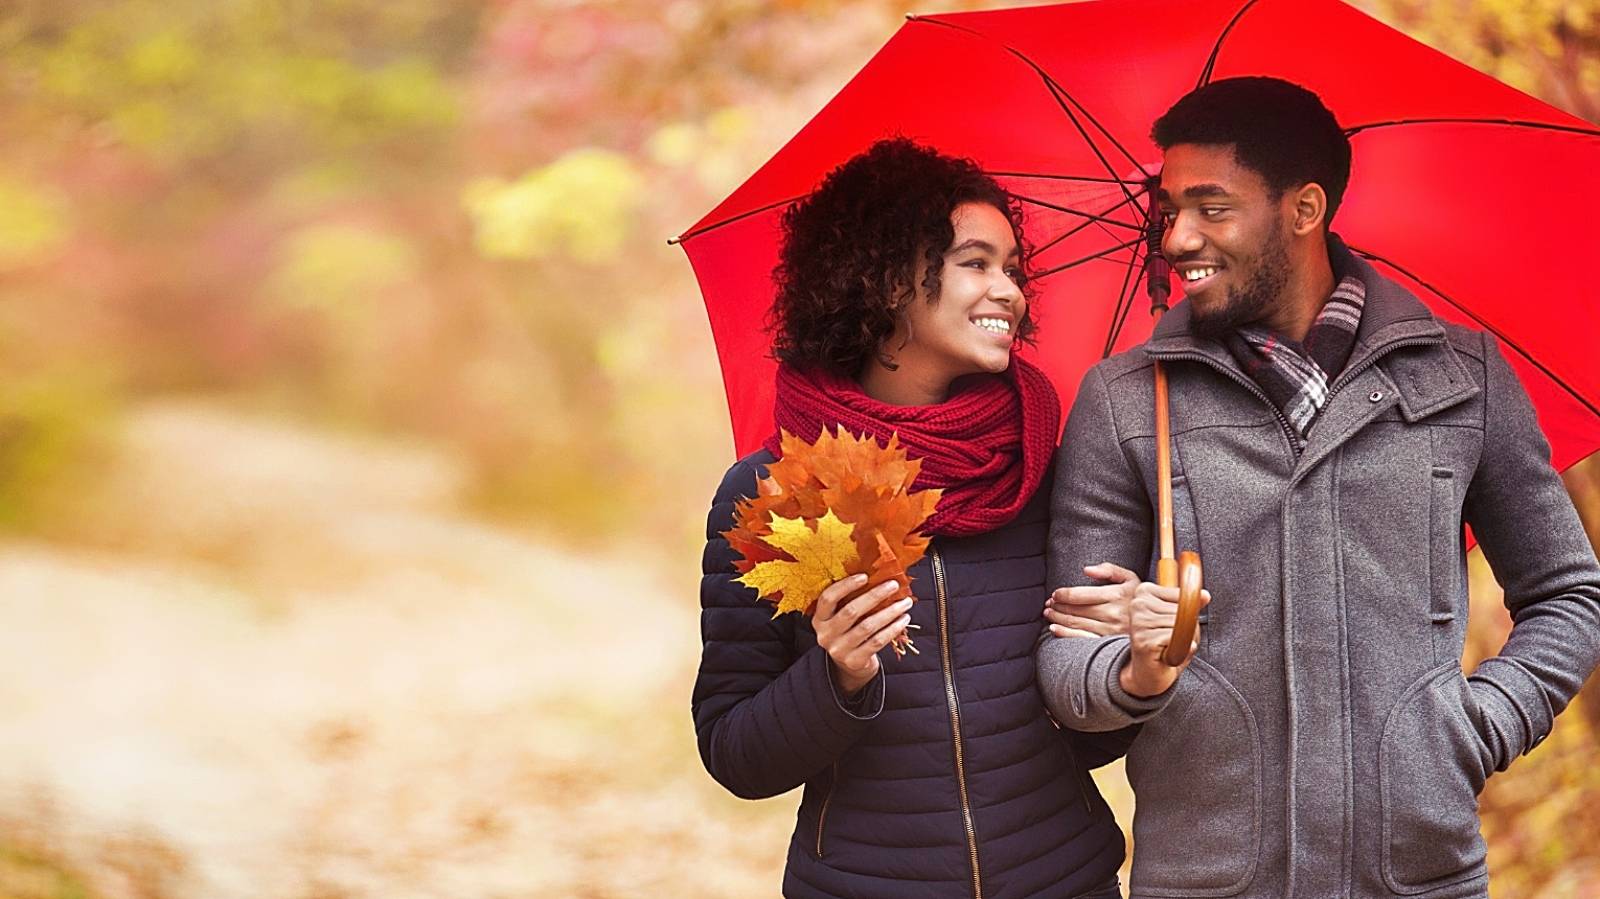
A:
{"points": [[1190, 581]]}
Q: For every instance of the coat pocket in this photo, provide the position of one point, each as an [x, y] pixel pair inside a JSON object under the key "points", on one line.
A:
{"points": [[1196, 769], [822, 811], [1432, 763], [1446, 568]]}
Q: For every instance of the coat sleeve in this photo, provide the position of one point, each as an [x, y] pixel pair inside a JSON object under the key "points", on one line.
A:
{"points": [[1098, 513], [767, 718], [1532, 537]]}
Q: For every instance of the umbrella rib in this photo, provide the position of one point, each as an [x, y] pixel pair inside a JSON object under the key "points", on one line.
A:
{"points": [[1119, 315], [1061, 97], [1055, 86], [1077, 228], [1050, 177], [1510, 123], [728, 221], [1211, 61], [1504, 338], [1092, 218], [1090, 258], [1058, 93]]}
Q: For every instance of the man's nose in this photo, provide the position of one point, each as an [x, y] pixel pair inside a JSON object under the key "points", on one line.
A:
{"points": [[1180, 238]]}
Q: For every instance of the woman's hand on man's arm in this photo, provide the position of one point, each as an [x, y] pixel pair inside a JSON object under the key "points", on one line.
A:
{"points": [[1099, 610]]}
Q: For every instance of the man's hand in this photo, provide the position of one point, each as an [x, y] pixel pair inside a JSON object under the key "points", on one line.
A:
{"points": [[1101, 610], [851, 628], [1154, 612]]}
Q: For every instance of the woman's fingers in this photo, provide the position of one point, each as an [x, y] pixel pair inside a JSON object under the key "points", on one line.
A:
{"points": [[1106, 571], [865, 653], [1087, 596], [848, 611], [1060, 630], [855, 610], [1094, 626], [829, 599], [868, 627], [1111, 613]]}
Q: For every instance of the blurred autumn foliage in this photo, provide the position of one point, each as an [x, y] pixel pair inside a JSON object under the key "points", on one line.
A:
{"points": [[440, 225]]}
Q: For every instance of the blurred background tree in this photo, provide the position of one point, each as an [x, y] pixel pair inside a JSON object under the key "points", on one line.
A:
{"points": [[442, 223]]}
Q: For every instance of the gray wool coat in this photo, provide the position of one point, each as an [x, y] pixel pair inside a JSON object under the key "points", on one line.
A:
{"points": [[1325, 742]]}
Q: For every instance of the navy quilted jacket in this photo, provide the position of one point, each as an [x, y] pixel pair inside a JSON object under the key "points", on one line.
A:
{"points": [[945, 778]]}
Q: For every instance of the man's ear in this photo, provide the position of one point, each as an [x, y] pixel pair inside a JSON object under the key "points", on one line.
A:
{"points": [[1310, 208]]}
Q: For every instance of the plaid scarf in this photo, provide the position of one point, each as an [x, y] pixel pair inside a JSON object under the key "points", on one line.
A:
{"points": [[1296, 376]]}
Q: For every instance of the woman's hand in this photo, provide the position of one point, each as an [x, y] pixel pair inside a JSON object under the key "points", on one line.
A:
{"points": [[851, 628], [1101, 610]]}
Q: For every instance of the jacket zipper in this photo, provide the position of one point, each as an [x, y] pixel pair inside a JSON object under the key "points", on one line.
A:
{"points": [[1246, 383], [955, 721], [822, 816]]}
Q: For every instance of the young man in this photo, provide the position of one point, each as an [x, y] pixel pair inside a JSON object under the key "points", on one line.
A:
{"points": [[1330, 439]]}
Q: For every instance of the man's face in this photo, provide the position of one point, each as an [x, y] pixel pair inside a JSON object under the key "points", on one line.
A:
{"points": [[1225, 235]]}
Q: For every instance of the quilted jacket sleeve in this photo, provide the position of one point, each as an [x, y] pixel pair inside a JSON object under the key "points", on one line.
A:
{"points": [[1093, 750], [1531, 535], [767, 716]]}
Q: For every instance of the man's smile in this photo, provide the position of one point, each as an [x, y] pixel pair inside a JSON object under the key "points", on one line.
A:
{"points": [[1197, 276]]}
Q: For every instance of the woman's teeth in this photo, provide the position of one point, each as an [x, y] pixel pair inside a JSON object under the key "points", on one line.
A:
{"points": [[1195, 274], [996, 325]]}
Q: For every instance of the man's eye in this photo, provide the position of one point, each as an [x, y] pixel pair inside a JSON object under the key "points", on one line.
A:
{"points": [[1168, 216], [1212, 212]]}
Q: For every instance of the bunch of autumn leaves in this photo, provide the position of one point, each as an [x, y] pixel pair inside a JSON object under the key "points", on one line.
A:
{"points": [[828, 510]]}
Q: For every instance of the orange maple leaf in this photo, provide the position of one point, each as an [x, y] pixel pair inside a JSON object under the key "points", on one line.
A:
{"points": [[862, 483]]}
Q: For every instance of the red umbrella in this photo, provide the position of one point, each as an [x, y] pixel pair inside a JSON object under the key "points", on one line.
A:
{"points": [[1476, 196]]}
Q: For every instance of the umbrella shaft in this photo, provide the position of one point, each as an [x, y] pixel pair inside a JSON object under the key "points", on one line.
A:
{"points": [[1164, 472]]}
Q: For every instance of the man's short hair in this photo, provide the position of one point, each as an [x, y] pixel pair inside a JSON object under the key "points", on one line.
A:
{"points": [[1277, 129]]}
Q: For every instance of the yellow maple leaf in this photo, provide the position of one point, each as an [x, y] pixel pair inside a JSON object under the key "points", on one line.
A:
{"points": [[821, 556]]}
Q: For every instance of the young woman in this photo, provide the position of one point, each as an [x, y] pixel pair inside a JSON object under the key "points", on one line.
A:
{"points": [[901, 296]]}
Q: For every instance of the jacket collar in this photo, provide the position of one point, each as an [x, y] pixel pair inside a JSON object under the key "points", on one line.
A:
{"points": [[1391, 313], [1422, 383]]}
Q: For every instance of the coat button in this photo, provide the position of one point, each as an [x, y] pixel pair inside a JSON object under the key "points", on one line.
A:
{"points": [[1376, 396]]}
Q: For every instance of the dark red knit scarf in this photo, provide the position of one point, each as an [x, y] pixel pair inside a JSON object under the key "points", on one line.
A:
{"points": [[987, 446]]}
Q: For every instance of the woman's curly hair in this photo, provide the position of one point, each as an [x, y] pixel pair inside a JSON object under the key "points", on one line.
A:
{"points": [[851, 248]]}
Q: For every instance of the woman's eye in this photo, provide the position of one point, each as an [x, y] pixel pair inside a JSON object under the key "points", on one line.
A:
{"points": [[974, 263]]}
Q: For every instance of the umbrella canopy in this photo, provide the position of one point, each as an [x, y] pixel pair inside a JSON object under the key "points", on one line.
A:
{"points": [[1474, 195]]}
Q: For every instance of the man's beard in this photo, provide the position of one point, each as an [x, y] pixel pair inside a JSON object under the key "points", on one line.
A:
{"points": [[1249, 301]]}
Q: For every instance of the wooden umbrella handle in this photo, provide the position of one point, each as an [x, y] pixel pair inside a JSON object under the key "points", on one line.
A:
{"points": [[1187, 577]]}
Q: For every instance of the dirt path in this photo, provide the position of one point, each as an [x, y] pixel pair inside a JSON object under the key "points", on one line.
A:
{"points": [[296, 670]]}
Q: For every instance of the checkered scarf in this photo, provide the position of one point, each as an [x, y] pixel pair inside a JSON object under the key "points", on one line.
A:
{"points": [[1296, 376]]}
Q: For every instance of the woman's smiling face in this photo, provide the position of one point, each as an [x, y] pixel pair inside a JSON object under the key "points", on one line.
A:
{"points": [[972, 323]]}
